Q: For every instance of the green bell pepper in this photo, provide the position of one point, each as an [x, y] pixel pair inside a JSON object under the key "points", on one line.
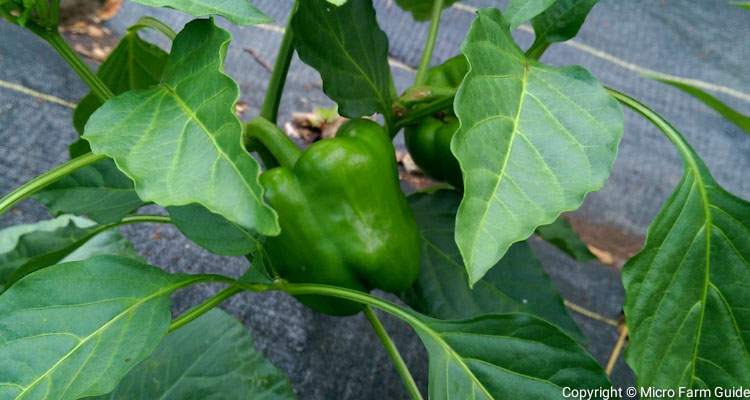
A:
{"points": [[344, 220], [429, 141], [429, 144]]}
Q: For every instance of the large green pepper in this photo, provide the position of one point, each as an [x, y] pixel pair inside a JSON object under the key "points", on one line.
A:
{"points": [[344, 220], [429, 141]]}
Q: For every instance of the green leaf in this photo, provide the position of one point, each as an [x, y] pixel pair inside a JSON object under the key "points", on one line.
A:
{"points": [[688, 290], [99, 191], [561, 21], [561, 235], [181, 141], [239, 12], [75, 330], [534, 140], [520, 11], [26, 248], [212, 357], [421, 10], [517, 283], [743, 4], [212, 231], [732, 115], [350, 51], [109, 242], [504, 356], [133, 64]]}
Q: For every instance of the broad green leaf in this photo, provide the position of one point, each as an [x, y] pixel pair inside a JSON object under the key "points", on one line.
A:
{"points": [[517, 283], [212, 357], [520, 11], [26, 248], [349, 51], [688, 290], [212, 231], [743, 4], [76, 329], [732, 115], [337, 2], [561, 235], [133, 64], [534, 140], [561, 21], [421, 10], [239, 12], [99, 191], [504, 356], [180, 141]]}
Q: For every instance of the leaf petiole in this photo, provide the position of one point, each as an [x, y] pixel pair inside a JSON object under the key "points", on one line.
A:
{"points": [[204, 307], [68, 54], [429, 46], [390, 347], [46, 179], [270, 109], [155, 24]]}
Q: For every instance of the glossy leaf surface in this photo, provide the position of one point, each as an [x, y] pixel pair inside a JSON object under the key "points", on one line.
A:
{"points": [[561, 21], [504, 356], [212, 357], [240, 12], [534, 140], [180, 141], [347, 47], [688, 289], [212, 231], [517, 283], [76, 329], [133, 64]]}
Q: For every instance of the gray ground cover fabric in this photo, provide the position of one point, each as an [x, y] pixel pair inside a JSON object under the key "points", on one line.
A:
{"points": [[335, 358]]}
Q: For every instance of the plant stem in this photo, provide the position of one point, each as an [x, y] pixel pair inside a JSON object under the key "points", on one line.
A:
{"points": [[419, 113], [429, 46], [270, 110], [47, 178], [537, 49], [393, 352], [274, 140], [204, 307], [155, 24], [58, 43]]}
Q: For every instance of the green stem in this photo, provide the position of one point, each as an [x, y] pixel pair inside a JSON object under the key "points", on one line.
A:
{"points": [[429, 46], [669, 131], [46, 179], [420, 113], [58, 43], [537, 49], [390, 347], [274, 140], [270, 109], [155, 24], [204, 307]]}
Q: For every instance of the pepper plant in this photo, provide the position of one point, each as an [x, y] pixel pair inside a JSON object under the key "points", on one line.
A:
{"points": [[517, 141]]}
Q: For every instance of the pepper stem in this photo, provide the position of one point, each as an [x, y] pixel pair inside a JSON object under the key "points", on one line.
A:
{"points": [[272, 138]]}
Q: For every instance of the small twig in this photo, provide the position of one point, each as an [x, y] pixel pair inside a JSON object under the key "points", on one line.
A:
{"points": [[616, 350], [258, 59]]}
